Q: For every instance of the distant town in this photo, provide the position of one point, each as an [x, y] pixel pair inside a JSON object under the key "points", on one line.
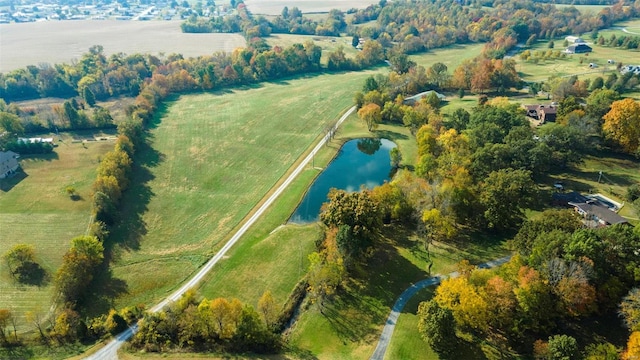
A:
{"points": [[123, 10]]}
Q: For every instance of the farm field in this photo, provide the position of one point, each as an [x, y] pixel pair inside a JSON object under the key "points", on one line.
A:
{"points": [[274, 7], [36, 210], [214, 157], [63, 41]]}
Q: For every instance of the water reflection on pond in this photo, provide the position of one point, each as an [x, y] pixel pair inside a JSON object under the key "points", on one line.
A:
{"points": [[361, 162]]}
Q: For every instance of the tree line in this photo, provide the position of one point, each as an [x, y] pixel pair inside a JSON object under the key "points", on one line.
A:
{"points": [[409, 27]]}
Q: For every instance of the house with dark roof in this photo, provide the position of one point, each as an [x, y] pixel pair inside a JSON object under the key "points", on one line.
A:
{"points": [[578, 49], [541, 112], [8, 163], [597, 215]]}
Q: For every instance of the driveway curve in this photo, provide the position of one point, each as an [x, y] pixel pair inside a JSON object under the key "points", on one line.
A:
{"points": [[390, 325], [110, 351]]}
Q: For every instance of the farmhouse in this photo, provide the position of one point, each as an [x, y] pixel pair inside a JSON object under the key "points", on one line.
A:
{"points": [[415, 98], [578, 49], [541, 112], [8, 163]]}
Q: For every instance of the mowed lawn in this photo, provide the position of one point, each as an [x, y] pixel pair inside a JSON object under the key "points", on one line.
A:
{"points": [[214, 156], [35, 210]]}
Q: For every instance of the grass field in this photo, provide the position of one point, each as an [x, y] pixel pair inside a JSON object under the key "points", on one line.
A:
{"points": [[571, 64], [451, 56], [35, 209], [63, 41], [214, 157]]}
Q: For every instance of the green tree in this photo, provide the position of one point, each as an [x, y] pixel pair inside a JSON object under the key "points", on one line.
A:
{"points": [[355, 40], [437, 327], [602, 351], [10, 129], [102, 117], [599, 102], [563, 347], [356, 210], [396, 157], [505, 194], [459, 120], [21, 261], [78, 267], [88, 96]]}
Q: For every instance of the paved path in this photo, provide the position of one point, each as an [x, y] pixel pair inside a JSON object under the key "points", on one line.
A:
{"points": [[110, 351], [390, 325]]}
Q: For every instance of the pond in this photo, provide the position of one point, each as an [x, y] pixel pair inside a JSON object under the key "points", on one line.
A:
{"points": [[360, 162]]}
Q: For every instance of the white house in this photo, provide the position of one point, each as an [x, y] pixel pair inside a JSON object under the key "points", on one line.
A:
{"points": [[8, 163]]}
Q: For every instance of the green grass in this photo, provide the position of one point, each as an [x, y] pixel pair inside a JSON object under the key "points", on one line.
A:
{"points": [[576, 64], [35, 209], [214, 157], [281, 250], [406, 342], [452, 56]]}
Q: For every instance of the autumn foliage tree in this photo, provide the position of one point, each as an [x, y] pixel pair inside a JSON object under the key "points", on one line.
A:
{"points": [[357, 219], [622, 124], [371, 115], [78, 268]]}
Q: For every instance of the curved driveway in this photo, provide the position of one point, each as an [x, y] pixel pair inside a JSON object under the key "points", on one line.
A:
{"points": [[110, 351], [390, 325]]}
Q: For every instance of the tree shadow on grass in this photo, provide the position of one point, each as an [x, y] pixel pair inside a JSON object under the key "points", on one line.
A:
{"points": [[131, 227], [105, 289], [31, 273], [17, 352], [362, 306], [390, 135]]}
